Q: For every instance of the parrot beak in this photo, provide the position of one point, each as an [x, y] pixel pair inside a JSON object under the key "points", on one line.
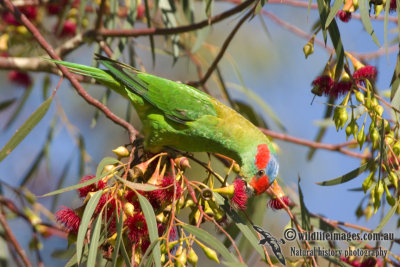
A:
{"points": [[260, 185]]}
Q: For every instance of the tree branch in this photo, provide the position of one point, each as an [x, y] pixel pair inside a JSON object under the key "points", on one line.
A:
{"points": [[81, 91]]}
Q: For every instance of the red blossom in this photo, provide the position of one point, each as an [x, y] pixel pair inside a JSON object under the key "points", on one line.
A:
{"points": [[239, 199], [29, 11], [140, 12], [368, 262], [137, 227], [69, 219], [366, 72], [54, 9], [393, 5], [344, 15], [340, 88], [19, 77], [83, 191], [68, 29], [323, 84], [275, 204]]}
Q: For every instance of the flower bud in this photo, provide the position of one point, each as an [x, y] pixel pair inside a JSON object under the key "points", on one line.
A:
{"points": [[121, 152], [378, 10], [208, 210], [374, 135], [360, 97], [396, 148], [129, 209], [368, 182], [308, 49], [181, 259], [210, 253], [389, 198], [112, 239], [182, 163], [393, 179], [378, 109], [192, 257], [368, 212], [361, 137]]}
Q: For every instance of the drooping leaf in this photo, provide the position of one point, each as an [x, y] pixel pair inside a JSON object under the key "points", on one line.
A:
{"points": [[137, 186], [94, 242], [25, 128], [211, 241], [77, 186], [240, 223], [305, 215], [150, 217], [332, 13], [86, 218], [350, 175], [363, 5], [119, 225], [323, 14], [387, 6], [339, 50]]}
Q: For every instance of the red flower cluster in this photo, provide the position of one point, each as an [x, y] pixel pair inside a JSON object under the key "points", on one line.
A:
{"points": [[393, 5], [19, 77], [69, 219], [275, 204], [140, 12], [368, 262], [29, 11], [68, 29], [366, 72], [83, 191], [344, 15], [239, 199]]}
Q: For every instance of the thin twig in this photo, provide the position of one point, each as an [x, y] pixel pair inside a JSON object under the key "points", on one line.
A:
{"points": [[10, 236], [304, 142], [81, 91]]}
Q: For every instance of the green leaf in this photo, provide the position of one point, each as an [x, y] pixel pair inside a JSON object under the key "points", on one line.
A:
{"points": [[25, 128], [148, 251], [211, 241], [45, 86], [137, 186], [364, 13], [323, 13], [119, 224], [150, 217], [21, 104], [94, 242], [86, 218], [337, 44], [332, 13], [305, 215], [348, 176], [77, 186], [5, 104], [82, 153], [240, 223]]}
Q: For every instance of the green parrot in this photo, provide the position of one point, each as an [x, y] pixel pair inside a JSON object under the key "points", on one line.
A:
{"points": [[180, 116]]}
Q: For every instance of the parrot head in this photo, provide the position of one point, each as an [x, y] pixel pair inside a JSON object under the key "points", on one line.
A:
{"points": [[263, 169]]}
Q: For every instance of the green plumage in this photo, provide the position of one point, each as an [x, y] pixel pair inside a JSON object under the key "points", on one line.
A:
{"points": [[178, 115]]}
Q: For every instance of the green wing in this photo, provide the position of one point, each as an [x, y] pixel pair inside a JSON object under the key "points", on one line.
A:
{"points": [[179, 102]]}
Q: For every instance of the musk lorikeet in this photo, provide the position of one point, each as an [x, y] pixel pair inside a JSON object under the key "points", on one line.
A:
{"points": [[180, 116]]}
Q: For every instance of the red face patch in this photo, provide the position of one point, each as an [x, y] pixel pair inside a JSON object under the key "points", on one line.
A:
{"points": [[260, 185], [262, 156]]}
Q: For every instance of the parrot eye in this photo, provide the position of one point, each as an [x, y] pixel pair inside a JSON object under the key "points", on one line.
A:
{"points": [[260, 173]]}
